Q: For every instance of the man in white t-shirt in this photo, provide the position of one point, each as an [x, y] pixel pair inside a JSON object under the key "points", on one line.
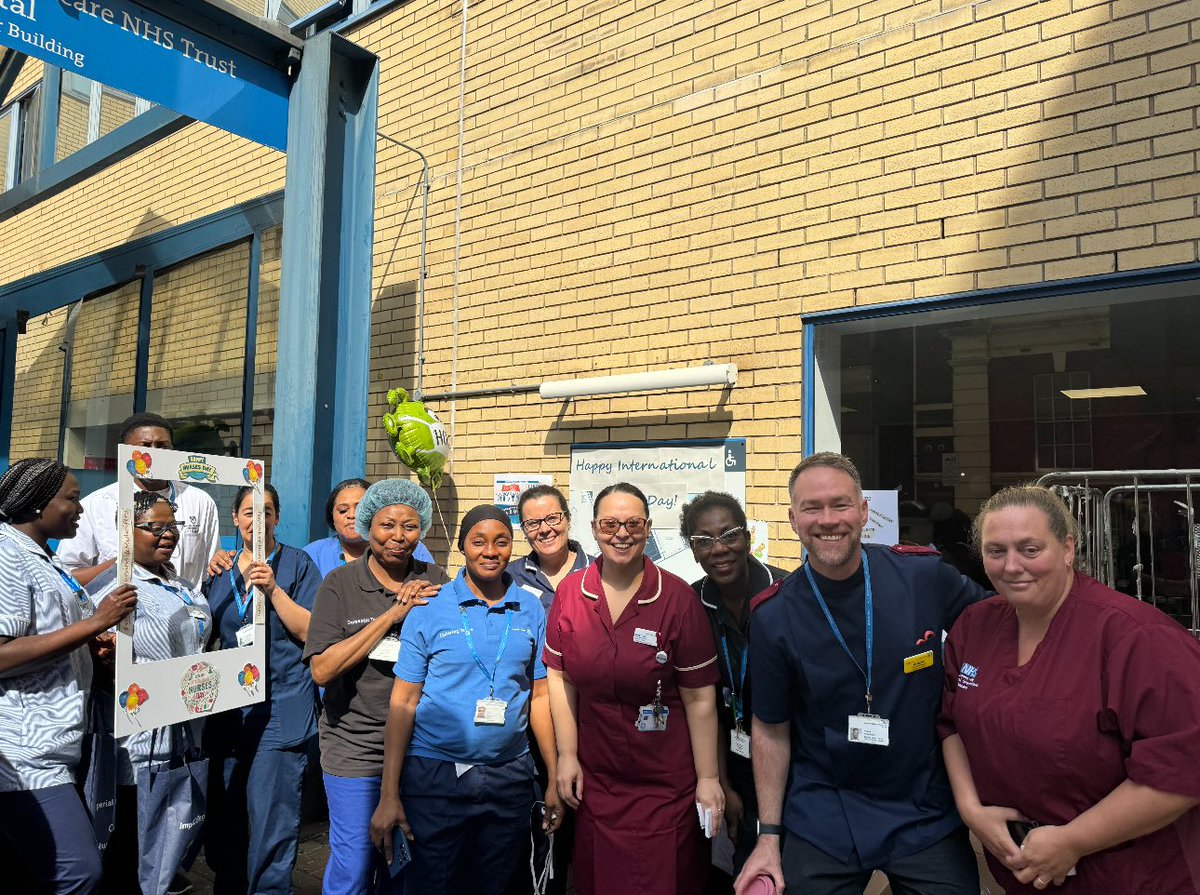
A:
{"points": [[94, 547]]}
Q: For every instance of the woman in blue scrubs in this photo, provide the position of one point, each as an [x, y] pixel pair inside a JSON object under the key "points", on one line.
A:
{"points": [[346, 545], [258, 755]]}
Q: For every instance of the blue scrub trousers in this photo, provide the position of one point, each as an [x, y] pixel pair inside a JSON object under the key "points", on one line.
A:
{"points": [[468, 830], [355, 866], [50, 833], [253, 824]]}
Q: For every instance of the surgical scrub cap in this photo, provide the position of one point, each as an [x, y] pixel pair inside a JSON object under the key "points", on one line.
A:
{"points": [[388, 493]]}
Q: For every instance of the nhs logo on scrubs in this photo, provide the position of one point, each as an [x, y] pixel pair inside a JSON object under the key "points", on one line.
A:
{"points": [[966, 676]]}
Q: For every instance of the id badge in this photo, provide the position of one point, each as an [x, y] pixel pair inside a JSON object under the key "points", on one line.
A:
{"points": [[919, 661], [739, 743], [490, 711], [870, 730], [649, 721], [645, 637], [388, 649], [245, 635]]}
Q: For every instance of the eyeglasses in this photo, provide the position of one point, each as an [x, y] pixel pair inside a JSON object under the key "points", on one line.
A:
{"points": [[703, 543], [634, 525], [554, 520], [158, 529]]}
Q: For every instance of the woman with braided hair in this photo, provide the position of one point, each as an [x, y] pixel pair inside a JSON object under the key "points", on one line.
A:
{"points": [[46, 626]]}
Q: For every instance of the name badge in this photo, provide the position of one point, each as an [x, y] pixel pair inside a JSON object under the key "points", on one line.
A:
{"points": [[490, 711], [739, 743], [245, 635], [645, 637], [919, 661], [652, 719], [870, 730], [388, 649]]}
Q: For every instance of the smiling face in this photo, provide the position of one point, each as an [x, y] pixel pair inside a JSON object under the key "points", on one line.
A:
{"points": [[60, 517], [395, 533], [828, 513], [1026, 563], [487, 548], [725, 564], [345, 505], [621, 547], [548, 540], [150, 550]]}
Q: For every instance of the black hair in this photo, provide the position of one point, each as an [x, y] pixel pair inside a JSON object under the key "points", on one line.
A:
{"points": [[142, 420], [331, 501], [541, 491], [28, 485], [620, 488], [246, 489], [144, 501], [710, 500]]}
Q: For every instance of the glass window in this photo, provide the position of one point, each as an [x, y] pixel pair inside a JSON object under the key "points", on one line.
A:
{"points": [[198, 349], [103, 339], [37, 387], [19, 136], [949, 406]]}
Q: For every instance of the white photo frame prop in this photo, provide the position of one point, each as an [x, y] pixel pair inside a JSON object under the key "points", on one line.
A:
{"points": [[187, 687]]}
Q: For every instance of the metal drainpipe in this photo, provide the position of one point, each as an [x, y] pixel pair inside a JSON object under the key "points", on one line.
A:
{"points": [[425, 187]]}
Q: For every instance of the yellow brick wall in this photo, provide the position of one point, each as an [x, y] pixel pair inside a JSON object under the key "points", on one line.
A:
{"points": [[648, 185], [37, 388]]}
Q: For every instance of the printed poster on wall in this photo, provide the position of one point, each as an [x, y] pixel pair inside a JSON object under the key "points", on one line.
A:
{"points": [[883, 518], [507, 488], [671, 473], [155, 694]]}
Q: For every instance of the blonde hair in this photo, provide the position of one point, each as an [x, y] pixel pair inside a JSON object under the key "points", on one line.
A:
{"points": [[1058, 518]]}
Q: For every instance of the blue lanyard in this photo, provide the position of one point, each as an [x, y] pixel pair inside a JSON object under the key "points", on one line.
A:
{"points": [[838, 634], [198, 618], [242, 601], [475, 654], [76, 587], [735, 698]]}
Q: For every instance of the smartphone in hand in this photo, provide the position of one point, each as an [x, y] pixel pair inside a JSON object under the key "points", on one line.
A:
{"points": [[400, 852]]}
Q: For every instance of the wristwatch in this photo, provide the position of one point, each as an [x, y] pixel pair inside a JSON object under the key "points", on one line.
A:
{"points": [[769, 829]]}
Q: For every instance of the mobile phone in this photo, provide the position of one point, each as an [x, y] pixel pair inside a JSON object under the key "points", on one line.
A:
{"points": [[400, 853], [1019, 829]]}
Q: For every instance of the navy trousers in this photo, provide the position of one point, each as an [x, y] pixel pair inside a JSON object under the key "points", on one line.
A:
{"points": [[467, 830], [253, 823], [945, 868], [49, 832]]}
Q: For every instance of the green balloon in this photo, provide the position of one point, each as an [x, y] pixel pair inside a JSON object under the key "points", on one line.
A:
{"points": [[417, 437]]}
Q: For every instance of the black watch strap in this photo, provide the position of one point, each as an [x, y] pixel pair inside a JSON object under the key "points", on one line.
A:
{"points": [[769, 829]]}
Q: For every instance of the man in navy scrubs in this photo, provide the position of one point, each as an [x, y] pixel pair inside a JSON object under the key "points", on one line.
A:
{"points": [[846, 658]]}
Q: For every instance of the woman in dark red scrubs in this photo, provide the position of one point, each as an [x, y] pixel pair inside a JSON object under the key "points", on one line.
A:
{"points": [[1075, 707], [632, 668]]}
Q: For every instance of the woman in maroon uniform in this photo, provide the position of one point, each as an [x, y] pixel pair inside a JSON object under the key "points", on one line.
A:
{"points": [[632, 665], [1071, 718]]}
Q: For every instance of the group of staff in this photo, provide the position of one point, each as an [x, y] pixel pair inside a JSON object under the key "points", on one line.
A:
{"points": [[606, 701]]}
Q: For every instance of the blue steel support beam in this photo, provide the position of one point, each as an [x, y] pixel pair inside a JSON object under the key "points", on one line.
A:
{"points": [[325, 289]]}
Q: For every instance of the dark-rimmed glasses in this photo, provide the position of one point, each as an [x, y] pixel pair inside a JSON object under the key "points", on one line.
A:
{"points": [[554, 520], [158, 529]]}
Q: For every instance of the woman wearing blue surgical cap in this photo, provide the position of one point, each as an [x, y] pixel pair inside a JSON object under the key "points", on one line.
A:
{"points": [[353, 642]]}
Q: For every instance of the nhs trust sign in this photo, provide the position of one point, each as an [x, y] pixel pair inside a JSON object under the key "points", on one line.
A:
{"points": [[127, 46]]}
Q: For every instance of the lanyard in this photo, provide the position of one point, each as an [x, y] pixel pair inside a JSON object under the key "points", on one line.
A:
{"points": [[735, 698], [243, 600], [870, 634], [76, 587], [475, 654], [197, 617]]}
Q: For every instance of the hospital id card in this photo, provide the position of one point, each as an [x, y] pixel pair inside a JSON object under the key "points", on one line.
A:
{"points": [[739, 743], [245, 635], [387, 649], [652, 719], [645, 637], [870, 730], [918, 661], [490, 711]]}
